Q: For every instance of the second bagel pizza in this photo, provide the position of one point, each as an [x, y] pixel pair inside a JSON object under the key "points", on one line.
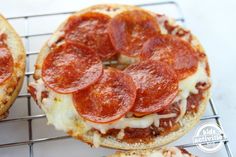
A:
{"points": [[122, 77], [12, 66]]}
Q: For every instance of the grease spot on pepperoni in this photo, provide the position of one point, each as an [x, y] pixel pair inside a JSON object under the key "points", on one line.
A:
{"points": [[6, 63], [157, 86], [130, 29], [71, 67], [173, 51], [90, 29], [107, 100]]}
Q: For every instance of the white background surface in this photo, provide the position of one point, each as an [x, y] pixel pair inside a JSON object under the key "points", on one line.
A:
{"points": [[214, 22]]}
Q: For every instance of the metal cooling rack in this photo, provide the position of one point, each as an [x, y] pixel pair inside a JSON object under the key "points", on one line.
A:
{"points": [[30, 141]]}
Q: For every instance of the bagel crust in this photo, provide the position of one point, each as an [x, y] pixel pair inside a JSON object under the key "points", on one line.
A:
{"points": [[95, 134], [10, 88]]}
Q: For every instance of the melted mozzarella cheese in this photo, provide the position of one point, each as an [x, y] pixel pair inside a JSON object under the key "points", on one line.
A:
{"points": [[61, 112], [63, 115], [121, 134], [188, 85], [123, 123], [39, 87], [96, 139], [123, 59], [183, 108]]}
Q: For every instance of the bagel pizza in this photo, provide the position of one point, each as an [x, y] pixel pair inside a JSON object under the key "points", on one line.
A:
{"points": [[12, 66], [162, 152], [122, 77]]}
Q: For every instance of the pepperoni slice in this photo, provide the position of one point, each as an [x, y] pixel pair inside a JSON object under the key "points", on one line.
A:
{"points": [[157, 86], [6, 64], [71, 67], [174, 51], [107, 100], [130, 29], [90, 29]]}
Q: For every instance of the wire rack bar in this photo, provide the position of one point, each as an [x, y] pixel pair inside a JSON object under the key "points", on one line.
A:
{"points": [[27, 45], [23, 95], [32, 53], [202, 143], [40, 15], [228, 150], [39, 116], [67, 137], [32, 117], [29, 73], [30, 142], [70, 12], [49, 33], [35, 35]]}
